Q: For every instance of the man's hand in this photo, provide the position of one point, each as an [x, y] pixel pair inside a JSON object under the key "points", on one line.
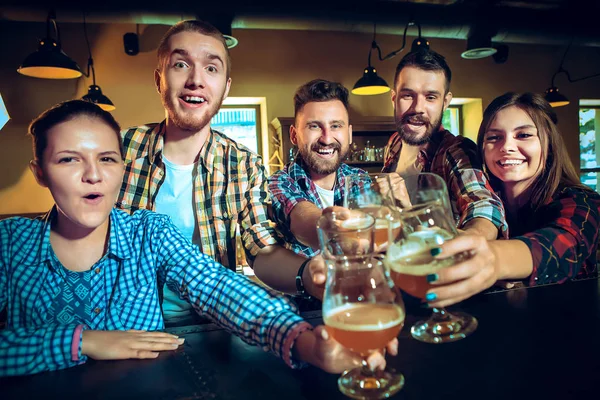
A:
{"points": [[314, 276], [120, 345], [319, 349]]}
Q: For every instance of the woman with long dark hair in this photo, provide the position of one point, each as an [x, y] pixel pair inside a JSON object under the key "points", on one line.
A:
{"points": [[553, 219]]}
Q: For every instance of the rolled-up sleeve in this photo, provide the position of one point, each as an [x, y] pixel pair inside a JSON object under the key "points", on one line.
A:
{"points": [[470, 188]]}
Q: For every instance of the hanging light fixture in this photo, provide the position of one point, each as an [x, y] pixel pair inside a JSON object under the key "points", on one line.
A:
{"points": [[95, 94], [479, 44], [49, 61], [553, 96], [371, 83]]}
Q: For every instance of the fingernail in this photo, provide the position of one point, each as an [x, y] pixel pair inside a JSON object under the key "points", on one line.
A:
{"points": [[431, 296], [432, 278], [180, 341], [324, 335], [435, 251]]}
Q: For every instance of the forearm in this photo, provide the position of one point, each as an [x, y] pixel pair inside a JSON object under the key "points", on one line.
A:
{"points": [[29, 351], [303, 223], [513, 259], [481, 227], [277, 267]]}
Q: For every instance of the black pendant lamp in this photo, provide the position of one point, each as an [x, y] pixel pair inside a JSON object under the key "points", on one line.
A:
{"points": [[49, 61]]}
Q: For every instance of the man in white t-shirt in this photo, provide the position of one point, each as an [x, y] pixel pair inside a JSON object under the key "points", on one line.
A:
{"points": [[315, 179]]}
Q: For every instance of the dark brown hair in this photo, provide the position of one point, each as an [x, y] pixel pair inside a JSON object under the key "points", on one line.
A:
{"points": [[557, 169], [319, 90], [197, 26], [426, 60], [67, 111]]}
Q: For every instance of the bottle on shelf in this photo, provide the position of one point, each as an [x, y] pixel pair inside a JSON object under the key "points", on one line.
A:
{"points": [[367, 151]]}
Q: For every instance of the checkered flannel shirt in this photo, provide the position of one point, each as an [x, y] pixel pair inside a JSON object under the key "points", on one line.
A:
{"points": [[145, 250]]}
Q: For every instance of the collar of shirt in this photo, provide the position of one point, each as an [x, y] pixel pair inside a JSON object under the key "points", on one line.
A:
{"points": [[426, 151], [298, 170], [215, 145], [118, 245]]}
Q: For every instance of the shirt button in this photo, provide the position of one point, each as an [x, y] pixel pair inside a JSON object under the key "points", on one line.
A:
{"points": [[97, 270], [97, 310]]}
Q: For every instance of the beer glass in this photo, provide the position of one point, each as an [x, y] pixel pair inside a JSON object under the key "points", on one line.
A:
{"points": [[373, 194], [424, 227], [361, 308]]}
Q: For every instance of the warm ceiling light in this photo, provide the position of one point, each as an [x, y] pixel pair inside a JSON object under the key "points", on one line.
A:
{"points": [[95, 96], [478, 46], [419, 43], [370, 83], [555, 98], [49, 61]]}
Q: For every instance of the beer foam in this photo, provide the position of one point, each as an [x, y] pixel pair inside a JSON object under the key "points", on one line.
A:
{"points": [[355, 223], [364, 312], [382, 223]]}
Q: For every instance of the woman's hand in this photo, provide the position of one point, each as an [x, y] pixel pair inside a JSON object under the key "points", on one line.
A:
{"points": [[466, 278], [318, 348], [120, 345]]}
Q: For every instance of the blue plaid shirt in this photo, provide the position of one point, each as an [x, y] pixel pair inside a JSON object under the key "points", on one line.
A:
{"points": [[292, 185], [145, 250]]}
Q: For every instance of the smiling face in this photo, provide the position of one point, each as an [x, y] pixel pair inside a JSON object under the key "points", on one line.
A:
{"points": [[419, 100], [83, 168], [512, 149], [192, 80], [323, 135]]}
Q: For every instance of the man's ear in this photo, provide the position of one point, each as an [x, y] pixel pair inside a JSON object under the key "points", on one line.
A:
{"points": [[38, 173], [227, 87], [447, 100], [393, 95], [293, 135], [157, 79], [350, 134]]}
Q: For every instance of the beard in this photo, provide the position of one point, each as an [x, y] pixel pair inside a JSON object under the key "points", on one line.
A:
{"points": [[189, 121], [318, 165], [411, 137]]}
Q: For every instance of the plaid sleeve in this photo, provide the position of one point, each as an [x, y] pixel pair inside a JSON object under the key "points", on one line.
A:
{"points": [[471, 189], [256, 229], [26, 351], [567, 238], [285, 195], [257, 315]]}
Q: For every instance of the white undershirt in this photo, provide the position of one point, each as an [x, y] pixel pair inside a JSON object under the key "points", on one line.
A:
{"points": [[175, 199], [326, 196]]}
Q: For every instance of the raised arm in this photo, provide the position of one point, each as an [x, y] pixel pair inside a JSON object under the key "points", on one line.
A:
{"points": [[481, 210], [565, 242], [293, 209]]}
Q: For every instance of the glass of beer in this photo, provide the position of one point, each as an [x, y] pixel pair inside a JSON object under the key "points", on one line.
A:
{"points": [[409, 260], [361, 308], [373, 194]]}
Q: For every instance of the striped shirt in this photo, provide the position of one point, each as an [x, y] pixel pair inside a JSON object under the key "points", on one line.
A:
{"points": [[292, 185], [456, 159], [561, 235], [230, 188], [145, 250]]}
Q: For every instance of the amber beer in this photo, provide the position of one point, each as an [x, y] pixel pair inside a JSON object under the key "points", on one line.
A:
{"points": [[380, 213], [410, 262], [382, 233], [364, 327]]}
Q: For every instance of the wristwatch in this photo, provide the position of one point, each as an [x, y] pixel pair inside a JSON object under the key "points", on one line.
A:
{"points": [[299, 281]]}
